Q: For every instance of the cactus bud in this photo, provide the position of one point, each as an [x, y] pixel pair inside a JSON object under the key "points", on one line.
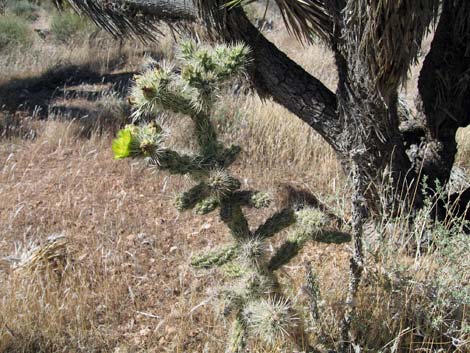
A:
{"points": [[221, 184], [207, 205], [187, 50], [252, 251], [124, 144], [260, 200], [134, 141], [270, 319], [204, 59], [311, 220], [231, 61], [160, 89]]}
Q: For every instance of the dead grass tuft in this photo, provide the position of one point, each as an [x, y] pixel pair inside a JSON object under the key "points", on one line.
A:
{"points": [[52, 255]]}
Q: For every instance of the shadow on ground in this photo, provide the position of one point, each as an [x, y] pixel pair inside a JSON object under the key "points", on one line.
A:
{"points": [[36, 95]]}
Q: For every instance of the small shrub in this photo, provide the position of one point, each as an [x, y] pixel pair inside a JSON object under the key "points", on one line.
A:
{"points": [[14, 31], [416, 291], [24, 9], [68, 26]]}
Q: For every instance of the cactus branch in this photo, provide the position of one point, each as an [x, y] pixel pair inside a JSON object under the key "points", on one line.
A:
{"points": [[207, 205], [188, 199], [237, 342], [176, 163], [215, 258], [206, 135], [227, 156]]}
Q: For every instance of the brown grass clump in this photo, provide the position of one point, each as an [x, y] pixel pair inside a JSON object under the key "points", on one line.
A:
{"points": [[52, 255]]}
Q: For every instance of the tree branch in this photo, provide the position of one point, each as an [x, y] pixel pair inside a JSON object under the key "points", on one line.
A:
{"points": [[273, 73]]}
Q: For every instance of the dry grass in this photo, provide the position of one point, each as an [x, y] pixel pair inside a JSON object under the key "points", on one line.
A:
{"points": [[128, 284], [131, 249], [99, 51], [125, 233], [125, 284]]}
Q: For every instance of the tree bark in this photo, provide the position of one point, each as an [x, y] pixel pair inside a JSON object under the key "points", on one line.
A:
{"points": [[444, 93], [371, 139], [346, 120]]}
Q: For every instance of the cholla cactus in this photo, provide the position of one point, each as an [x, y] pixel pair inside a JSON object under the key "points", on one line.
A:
{"points": [[255, 299]]}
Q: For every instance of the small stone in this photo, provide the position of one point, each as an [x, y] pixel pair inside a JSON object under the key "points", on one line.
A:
{"points": [[170, 330], [121, 349], [205, 226], [145, 331]]}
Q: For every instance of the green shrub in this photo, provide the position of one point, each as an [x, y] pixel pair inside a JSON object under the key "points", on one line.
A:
{"points": [[68, 26], [24, 9], [14, 31]]}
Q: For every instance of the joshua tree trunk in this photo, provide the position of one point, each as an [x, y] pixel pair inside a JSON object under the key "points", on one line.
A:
{"points": [[444, 89]]}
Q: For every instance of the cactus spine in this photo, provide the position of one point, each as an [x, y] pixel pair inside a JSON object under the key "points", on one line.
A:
{"points": [[255, 301]]}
